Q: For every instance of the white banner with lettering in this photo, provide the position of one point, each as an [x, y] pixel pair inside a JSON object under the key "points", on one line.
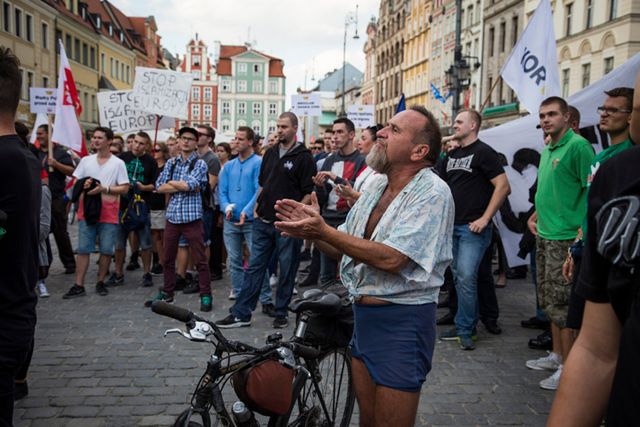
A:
{"points": [[120, 113], [362, 116], [306, 105], [521, 143], [162, 92], [42, 100]]}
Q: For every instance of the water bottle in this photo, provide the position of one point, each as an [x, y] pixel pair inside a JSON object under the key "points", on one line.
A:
{"points": [[243, 415]]}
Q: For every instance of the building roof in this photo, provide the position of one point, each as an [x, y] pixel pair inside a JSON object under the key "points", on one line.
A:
{"points": [[134, 37], [60, 6], [332, 81], [100, 8], [276, 65]]}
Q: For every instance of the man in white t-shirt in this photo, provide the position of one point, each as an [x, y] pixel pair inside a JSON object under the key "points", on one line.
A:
{"points": [[105, 175]]}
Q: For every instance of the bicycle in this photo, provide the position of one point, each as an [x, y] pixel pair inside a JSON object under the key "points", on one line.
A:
{"points": [[321, 391]]}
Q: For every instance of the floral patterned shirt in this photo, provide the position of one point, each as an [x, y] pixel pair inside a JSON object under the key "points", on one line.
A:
{"points": [[419, 224]]}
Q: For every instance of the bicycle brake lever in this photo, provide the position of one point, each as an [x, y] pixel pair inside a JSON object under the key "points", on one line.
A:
{"points": [[176, 331]]}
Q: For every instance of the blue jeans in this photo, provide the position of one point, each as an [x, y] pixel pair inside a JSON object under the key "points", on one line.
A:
{"points": [[468, 250], [328, 269], [233, 236], [266, 240], [87, 235]]}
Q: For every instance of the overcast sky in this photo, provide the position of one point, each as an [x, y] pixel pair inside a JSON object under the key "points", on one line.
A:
{"points": [[307, 35]]}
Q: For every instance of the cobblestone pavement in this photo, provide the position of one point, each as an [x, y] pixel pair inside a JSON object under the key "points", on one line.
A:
{"points": [[102, 361]]}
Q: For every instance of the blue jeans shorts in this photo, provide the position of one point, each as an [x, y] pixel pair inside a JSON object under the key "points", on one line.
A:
{"points": [[207, 223], [395, 342], [144, 238], [87, 235]]}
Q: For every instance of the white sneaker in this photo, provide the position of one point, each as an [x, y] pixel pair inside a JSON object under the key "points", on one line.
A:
{"points": [[42, 289], [548, 363], [232, 295], [553, 381], [273, 280]]}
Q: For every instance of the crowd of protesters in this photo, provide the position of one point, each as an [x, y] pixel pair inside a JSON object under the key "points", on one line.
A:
{"points": [[187, 209]]}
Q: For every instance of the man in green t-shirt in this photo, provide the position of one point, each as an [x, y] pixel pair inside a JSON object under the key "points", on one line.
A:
{"points": [[615, 117], [560, 208]]}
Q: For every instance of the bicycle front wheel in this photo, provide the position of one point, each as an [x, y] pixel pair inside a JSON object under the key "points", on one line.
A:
{"points": [[334, 389]]}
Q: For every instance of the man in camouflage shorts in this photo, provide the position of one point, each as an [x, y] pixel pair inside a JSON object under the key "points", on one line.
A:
{"points": [[560, 208]]}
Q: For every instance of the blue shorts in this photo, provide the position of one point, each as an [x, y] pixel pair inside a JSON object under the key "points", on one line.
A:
{"points": [[395, 342], [207, 224], [87, 235]]}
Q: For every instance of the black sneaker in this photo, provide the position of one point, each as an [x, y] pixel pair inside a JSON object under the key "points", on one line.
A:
{"points": [[147, 280], [160, 296], [534, 323], [74, 291], [205, 303], [101, 289], [269, 310], [191, 288], [133, 265], [232, 322], [157, 270], [115, 280], [280, 322], [181, 283]]}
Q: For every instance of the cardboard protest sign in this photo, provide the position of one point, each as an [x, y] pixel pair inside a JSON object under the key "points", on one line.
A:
{"points": [[362, 116], [306, 105], [42, 100], [119, 111], [162, 92]]}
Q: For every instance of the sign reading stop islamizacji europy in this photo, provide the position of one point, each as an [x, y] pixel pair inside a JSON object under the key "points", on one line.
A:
{"points": [[162, 92]]}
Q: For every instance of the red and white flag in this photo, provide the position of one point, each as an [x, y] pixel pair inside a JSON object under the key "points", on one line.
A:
{"points": [[66, 128]]}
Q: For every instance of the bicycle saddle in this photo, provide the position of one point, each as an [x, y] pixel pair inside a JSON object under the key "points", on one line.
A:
{"points": [[317, 302]]}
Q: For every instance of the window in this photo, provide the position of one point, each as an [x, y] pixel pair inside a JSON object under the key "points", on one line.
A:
{"points": [[17, 24], [226, 109], [242, 108], [565, 82], [29, 83], [273, 86], [257, 108], [29, 27], [242, 85], [195, 94], [85, 54], [242, 68], [273, 109], [226, 86], [613, 9], [272, 127], [92, 57], [257, 86], [76, 50], [256, 68], [6, 17], [94, 108], [195, 60], [45, 81], [241, 123], [256, 126], [207, 111], [196, 74], [86, 102], [122, 71], [58, 40], [569, 17], [589, 15], [226, 126], [608, 64], [195, 111], [586, 75], [514, 30], [492, 35], [503, 30], [207, 94], [117, 69], [111, 64], [128, 75], [102, 63], [68, 44], [490, 97]]}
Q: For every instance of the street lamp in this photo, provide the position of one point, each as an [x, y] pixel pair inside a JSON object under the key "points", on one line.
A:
{"points": [[351, 18]]}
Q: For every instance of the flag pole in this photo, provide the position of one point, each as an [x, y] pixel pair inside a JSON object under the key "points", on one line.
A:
{"points": [[155, 138], [499, 79], [50, 143]]}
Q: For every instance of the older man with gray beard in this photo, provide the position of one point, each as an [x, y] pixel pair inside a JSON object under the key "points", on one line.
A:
{"points": [[394, 248]]}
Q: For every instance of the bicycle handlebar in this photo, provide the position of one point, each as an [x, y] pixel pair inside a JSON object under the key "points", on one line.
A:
{"points": [[178, 313]]}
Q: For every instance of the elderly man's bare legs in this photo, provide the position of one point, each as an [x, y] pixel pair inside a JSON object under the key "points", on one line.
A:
{"points": [[382, 406]]}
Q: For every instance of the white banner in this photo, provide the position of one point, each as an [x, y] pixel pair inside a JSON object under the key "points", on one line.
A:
{"points": [[362, 116], [308, 104], [521, 143], [163, 92], [532, 67], [42, 100], [119, 113]]}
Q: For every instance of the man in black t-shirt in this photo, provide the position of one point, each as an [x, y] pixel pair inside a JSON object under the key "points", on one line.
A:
{"points": [[62, 168], [19, 218], [601, 377], [479, 186], [141, 169]]}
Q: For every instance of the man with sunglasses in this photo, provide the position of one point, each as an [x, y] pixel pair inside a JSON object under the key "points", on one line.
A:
{"points": [[182, 178]]}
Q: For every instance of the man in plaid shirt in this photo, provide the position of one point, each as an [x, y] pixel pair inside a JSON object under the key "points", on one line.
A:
{"points": [[182, 178]]}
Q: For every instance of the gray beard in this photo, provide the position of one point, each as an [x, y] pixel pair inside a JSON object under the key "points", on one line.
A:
{"points": [[377, 160]]}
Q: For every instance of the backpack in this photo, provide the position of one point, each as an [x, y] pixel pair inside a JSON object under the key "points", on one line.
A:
{"points": [[205, 193], [136, 215]]}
